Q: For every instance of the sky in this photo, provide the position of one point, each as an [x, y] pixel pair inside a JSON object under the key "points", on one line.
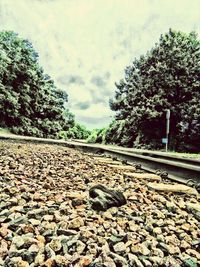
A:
{"points": [[85, 45]]}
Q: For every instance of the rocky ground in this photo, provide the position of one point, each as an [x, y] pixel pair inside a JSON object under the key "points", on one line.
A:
{"points": [[46, 217]]}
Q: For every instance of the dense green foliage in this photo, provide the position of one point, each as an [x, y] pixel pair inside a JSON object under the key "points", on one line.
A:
{"points": [[30, 103], [167, 77], [76, 132], [98, 136]]}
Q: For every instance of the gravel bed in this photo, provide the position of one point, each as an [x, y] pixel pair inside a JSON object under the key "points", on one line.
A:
{"points": [[46, 217]]}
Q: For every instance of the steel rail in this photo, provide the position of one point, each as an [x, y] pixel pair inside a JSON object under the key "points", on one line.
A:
{"points": [[178, 168]]}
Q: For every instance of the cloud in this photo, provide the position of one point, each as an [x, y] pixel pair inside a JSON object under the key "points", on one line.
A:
{"points": [[77, 94], [66, 80], [96, 114], [82, 105], [96, 111], [98, 81]]}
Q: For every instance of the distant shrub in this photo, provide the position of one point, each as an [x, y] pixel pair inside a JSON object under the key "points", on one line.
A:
{"points": [[76, 132]]}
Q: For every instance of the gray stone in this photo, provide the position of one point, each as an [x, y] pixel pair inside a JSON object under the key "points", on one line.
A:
{"points": [[18, 241], [12, 261], [36, 214], [80, 246], [76, 223], [134, 261], [145, 262], [115, 239], [5, 213], [3, 248], [16, 222], [16, 253], [66, 232], [34, 222], [190, 263], [119, 247], [157, 261], [49, 251], [119, 260], [61, 261], [55, 244], [39, 259]]}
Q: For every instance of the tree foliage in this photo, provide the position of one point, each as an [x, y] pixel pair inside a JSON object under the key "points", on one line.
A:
{"points": [[98, 136], [30, 103], [167, 77], [78, 131]]}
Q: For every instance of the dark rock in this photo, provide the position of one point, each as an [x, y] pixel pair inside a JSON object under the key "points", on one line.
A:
{"points": [[103, 198], [36, 214], [48, 232], [49, 251], [77, 202], [5, 212], [119, 260], [65, 247], [17, 253], [3, 206], [16, 222], [12, 262], [29, 256], [26, 196], [66, 232], [86, 180], [115, 239]]}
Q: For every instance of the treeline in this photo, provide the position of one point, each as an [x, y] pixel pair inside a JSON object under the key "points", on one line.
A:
{"points": [[167, 77], [30, 103]]}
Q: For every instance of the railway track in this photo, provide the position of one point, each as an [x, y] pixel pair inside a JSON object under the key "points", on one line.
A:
{"points": [[180, 169]]}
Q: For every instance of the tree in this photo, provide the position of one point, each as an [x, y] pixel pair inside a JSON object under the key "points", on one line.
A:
{"points": [[76, 132], [30, 103], [167, 77]]}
